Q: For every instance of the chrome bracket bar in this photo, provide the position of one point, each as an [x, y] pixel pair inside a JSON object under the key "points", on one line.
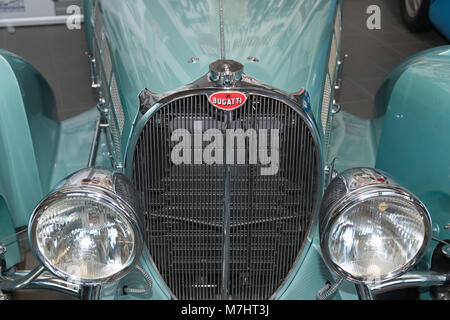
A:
{"points": [[94, 147], [364, 292], [95, 84], [330, 172], [90, 293], [101, 125], [335, 108], [341, 64], [38, 279], [412, 279], [21, 282]]}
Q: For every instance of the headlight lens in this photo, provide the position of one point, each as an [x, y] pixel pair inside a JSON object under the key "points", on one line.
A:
{"points": [[376, 237], [78, 229], [86, 234], [373, 231]]}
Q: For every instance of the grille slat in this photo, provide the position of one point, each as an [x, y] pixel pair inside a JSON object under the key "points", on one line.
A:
{"points": [[269, 215]]}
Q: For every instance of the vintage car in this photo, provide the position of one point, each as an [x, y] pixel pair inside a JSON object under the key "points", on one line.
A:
{"points": [[420, 15], [218, 165]]}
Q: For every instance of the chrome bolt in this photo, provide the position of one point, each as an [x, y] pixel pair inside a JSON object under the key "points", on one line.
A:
{"points": [[436, 230], [193, 60], [447, 227], [335, 174], [336, 108], [2, 250]]}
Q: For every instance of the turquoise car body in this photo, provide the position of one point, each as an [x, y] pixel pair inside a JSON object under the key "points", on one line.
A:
{"points": [[151, 44]]}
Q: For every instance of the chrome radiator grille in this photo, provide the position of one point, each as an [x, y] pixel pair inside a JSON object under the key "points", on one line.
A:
{"points": [[269, 216]]}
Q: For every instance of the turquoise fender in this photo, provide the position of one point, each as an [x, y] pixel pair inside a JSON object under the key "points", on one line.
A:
{"points": [[36, 150], [21, 183], [415, 143]]}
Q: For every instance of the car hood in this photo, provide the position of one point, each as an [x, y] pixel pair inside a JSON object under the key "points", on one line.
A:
{"points": [[153, 41]]}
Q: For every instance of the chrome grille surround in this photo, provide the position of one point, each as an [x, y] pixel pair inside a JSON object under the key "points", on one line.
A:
{"points": [[184, 206]]}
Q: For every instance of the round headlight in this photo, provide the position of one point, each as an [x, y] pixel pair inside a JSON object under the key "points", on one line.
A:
{"points": [[88, 231], [371, 229]]}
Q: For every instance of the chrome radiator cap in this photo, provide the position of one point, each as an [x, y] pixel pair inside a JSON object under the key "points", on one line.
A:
{"points": [[226, 72]]}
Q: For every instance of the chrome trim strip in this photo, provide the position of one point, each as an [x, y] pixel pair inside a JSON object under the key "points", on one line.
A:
{"points": [[55, 284], [222, 31], [94, 146], [412, 279], [45, 281], [226, 217]]}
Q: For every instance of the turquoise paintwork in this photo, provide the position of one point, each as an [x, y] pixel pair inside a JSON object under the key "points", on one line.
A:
{"points": [[37, 151], [415, 144], [291, 39], [21, 184], [152, 41], [354, 141]]}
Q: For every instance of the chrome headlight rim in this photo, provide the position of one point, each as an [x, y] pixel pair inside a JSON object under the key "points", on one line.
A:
{"points": [[357, 197], [105, 197]]}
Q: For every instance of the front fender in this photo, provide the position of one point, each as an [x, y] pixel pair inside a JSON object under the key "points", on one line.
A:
{"points": [[20, 182], [415, 142]]}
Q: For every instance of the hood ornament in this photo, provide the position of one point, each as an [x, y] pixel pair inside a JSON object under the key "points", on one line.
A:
{"points": [[226, 73]]}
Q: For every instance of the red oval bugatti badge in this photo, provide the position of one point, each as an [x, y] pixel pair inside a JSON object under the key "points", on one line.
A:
{"points": [[228, 100]]}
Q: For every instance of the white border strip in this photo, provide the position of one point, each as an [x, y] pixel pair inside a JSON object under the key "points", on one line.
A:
{"points": [[38, 21]]}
